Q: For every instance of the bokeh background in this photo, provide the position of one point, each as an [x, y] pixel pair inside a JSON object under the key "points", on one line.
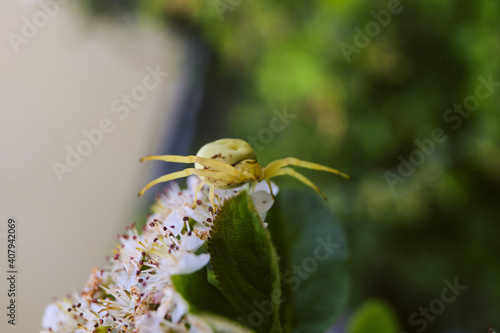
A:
{"points": [[364, 111]]}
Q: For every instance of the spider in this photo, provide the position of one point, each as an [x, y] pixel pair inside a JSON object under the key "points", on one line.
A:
{"points": [[230, 163]]}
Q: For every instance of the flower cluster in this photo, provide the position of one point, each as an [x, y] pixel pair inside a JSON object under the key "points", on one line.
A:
{"points": [[134, 293]]}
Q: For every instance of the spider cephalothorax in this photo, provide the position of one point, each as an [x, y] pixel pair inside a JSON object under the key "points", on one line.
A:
{"points": [[230, 163]]}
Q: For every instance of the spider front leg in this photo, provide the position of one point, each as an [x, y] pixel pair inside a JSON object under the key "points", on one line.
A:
{"points": [[166, 178], [206, 162], [181, 174]]}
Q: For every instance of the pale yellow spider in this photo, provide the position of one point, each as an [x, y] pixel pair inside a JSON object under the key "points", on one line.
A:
{"points": [[230, 163]]}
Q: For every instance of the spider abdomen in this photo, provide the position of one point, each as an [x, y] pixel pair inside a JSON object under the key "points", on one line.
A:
{"points": [[230, 151]]}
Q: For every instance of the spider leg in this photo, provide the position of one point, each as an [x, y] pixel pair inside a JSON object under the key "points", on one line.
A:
{"points": [[206, 162], [166, 178], [211, 196], [184, 173], [268, 181], [198, 188], [278, 164], [296, 175]]}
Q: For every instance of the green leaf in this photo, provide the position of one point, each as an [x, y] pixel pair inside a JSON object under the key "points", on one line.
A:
{"points": [[313, 255], [245, 264], [373, 316], [202, 296]]}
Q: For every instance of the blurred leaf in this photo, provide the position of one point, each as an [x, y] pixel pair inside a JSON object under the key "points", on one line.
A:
{"points": [[312, 250], [304, 75], [373, 317], [245, 264]]}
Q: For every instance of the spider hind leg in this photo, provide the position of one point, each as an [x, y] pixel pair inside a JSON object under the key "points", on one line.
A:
{"points": [[297, 175], [278, 164]]}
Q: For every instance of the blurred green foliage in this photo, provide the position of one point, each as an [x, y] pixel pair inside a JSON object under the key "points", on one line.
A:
{"points": [[373, 316], [362, 116], [313, 257]]}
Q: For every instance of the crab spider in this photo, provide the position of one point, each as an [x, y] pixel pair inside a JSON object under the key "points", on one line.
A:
{"points": [[230, 163]]}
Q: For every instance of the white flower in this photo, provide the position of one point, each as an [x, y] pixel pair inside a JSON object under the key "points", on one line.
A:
{"points": [[135, 292], [71, 314], [173, 304], [127, 246], [262, 198], [56, 319], [124, 274], [190, 263], [190, 241], [150, 323], [171, 258]]}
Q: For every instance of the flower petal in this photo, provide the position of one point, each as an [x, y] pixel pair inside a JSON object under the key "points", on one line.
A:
{"points": [[190, 263]]}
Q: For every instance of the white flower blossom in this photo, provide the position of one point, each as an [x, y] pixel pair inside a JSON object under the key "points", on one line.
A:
{"points": [[134, 293]]}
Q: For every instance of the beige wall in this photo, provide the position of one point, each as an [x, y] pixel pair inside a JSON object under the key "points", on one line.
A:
{"points": [[61, 82]]}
